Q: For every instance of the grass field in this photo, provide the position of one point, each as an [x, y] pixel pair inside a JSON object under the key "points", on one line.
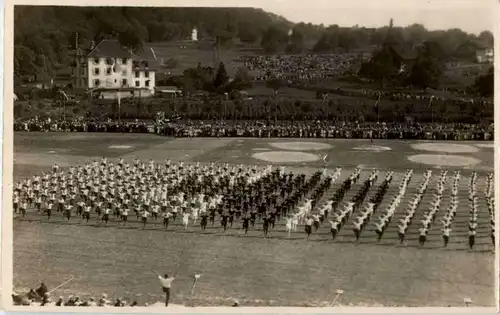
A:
{"points": [[191, 55], [276, 270]]}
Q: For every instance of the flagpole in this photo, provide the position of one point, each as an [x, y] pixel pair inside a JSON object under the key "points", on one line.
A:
{"points": [[325, 96], [119, 106], [376, 106], [432, 108], [59, 286]]}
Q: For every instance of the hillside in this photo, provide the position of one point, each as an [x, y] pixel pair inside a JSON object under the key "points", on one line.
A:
{"points": [[45, 35]]}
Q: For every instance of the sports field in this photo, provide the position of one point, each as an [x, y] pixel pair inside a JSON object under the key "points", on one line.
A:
{"points": [[277, 270]]}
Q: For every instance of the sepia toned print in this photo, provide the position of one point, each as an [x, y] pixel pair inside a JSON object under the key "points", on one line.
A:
{"points": [[179, 157]]}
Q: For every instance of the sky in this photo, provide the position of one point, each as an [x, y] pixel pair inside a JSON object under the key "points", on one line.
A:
{"points": [[472, 16]]}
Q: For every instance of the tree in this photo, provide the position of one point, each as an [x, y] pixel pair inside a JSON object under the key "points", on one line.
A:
{"points": [[305, 108], [273, 38], [466, 51], [201, 78], [427, 69], [394, 36], [347, 39], [322, 45], [187, 85], [484, 85], [171, 63], [383, 66], [415, 33], [486, 39], [172, 31], [296, 42], [221, 78], [24, 61], [242, 79], [247, 34], [130, 40], [329, 40], [450, 40], [156, 31]]}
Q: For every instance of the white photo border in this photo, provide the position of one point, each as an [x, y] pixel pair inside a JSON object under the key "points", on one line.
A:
{"points": [[7, 172]]}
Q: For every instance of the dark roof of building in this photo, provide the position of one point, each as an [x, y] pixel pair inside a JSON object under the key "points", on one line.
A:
{"points": [[109, 48], [112, 49]]}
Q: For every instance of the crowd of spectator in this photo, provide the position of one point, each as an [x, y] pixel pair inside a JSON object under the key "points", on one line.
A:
{"points": [[300, 67], [437, 97], [261, 129], [33, 299], [401, 96]]}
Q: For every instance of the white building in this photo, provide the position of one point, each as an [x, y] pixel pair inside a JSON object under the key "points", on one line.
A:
{"points": [[485, 55], [110, 66], [194, 35]]}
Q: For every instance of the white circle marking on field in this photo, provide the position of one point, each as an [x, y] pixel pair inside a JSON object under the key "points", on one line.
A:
{"points": [[443, 160], [72, 137], [485, 145], [52, 151], [301, 146], [286, 157], [260, 149], [121, 147], [445, 147], [372, 148]]}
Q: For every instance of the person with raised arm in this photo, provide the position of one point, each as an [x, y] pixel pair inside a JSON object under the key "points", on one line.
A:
{"points": [[166, 283]]}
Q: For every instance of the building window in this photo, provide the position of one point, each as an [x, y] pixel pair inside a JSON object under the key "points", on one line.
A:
{"points": [[96, 61], [147, 82], [137, 83], [109, 61], [124, 72], [96, 71], [146, 74], [137, 74], [97, 82], [124, 61], [124, 82], [108, 71]]}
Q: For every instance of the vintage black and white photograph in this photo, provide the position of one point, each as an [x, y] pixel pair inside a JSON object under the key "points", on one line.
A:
{"points": [[282, 154]]}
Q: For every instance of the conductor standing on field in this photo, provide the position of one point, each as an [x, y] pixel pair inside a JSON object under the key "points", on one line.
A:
{"points": [[166, 283]]}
